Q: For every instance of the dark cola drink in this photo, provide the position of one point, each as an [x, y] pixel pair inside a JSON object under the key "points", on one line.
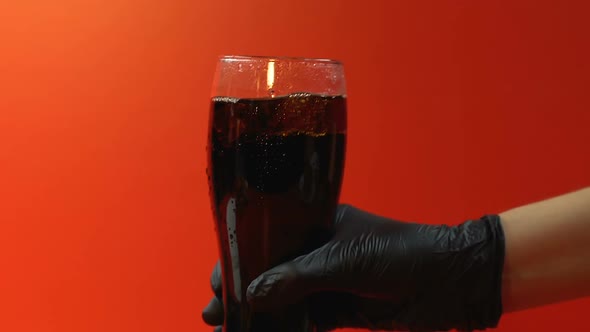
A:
{"points": [[275, 172]]}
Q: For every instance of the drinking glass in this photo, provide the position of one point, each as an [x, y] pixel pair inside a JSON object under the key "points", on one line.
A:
{"points": [[276, 151]]}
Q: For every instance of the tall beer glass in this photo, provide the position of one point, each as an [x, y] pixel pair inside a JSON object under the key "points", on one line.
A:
{"points": [[276, 151]]}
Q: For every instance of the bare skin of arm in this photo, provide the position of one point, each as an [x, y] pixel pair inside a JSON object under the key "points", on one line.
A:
{"points": [[547, 251]]}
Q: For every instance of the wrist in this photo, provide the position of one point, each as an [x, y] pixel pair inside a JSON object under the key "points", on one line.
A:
{"points": [[483, 246], [469, 259]]}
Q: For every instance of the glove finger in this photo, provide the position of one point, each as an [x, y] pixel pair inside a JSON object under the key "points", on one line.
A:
{"points": [[290, 282], [341, 211], [332, 310], [216, 280], [213, 312]]}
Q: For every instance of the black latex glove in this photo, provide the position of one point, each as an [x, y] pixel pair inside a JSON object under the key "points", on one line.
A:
{"points": [[379, 273]]}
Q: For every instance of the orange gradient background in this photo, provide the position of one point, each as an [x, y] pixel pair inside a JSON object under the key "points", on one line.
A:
{"points": [[456, 109]]}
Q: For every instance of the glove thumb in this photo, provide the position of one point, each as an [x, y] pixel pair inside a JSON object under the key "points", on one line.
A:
{"points": [[290, 282]]}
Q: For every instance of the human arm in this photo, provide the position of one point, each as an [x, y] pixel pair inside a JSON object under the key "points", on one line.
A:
{"points": [[547, 251]]}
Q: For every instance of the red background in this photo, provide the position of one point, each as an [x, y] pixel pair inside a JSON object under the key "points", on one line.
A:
{"points": [[456, 109]]}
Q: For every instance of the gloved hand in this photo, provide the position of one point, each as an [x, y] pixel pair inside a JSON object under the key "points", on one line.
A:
{"points": [[378, 273]]}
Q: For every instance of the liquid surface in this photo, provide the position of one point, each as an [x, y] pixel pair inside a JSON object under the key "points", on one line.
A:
{"points": [[275, 172]]}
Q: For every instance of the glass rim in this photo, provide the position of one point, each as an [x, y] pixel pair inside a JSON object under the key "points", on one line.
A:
{"points": [[246, 58]]}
